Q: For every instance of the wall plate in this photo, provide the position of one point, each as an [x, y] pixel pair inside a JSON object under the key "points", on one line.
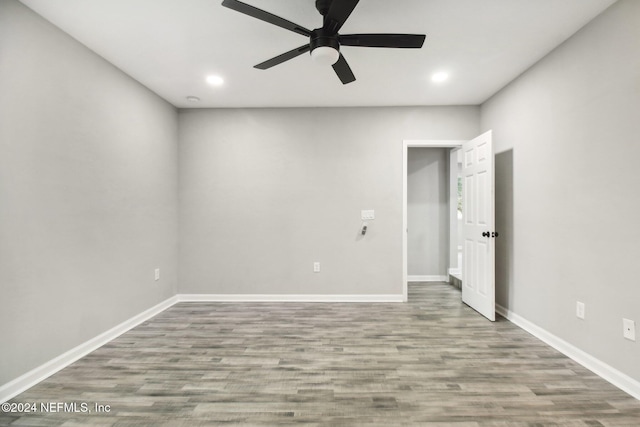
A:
{"points": [[367, 215], [629, 329]]}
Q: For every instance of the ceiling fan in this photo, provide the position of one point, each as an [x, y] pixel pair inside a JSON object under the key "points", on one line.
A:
{"points": [[324, 42]]}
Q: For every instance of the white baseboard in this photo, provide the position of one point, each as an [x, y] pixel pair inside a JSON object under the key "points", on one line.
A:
{"points": [[455, 272], [33, 377], [427, 278], [287, 298], [607, 372]]}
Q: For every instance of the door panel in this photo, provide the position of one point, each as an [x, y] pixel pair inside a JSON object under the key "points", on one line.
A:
{"points": [[478, 279]]}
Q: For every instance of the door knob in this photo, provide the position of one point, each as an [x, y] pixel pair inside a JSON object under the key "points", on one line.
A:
{"points": [[490, 234]]}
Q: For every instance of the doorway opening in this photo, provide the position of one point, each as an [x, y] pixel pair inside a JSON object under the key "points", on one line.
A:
{"points": [[478, 220], [443, 213]]}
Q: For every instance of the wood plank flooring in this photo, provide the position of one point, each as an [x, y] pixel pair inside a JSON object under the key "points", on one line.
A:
{"points": [[430, 362]]}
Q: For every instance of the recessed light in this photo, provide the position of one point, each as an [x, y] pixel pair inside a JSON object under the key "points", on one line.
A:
{"points": [[439, 77], [193, 99], [215, 80]]}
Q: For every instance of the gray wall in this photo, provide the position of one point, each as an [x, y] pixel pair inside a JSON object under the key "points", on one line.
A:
{"points": [[428, 211], [567, 136], [88, 178], [266, 192]]}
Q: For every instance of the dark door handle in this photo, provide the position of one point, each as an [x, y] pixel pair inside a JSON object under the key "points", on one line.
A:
{"points": [[490, 234]]}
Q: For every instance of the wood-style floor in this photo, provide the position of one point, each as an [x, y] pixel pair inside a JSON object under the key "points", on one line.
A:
{"points": [[431, 362]]}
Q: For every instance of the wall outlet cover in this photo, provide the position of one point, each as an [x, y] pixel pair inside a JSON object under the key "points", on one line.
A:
{"points": [[629, 329], [316, 267], [580, 310]]}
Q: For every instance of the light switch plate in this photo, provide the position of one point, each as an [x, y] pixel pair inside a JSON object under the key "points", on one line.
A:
{"points": [[368, 215]]}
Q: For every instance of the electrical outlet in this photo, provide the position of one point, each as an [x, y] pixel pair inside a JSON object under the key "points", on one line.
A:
{"points": [[316, 267], [157, 274], [629, 329], [580, 310]]}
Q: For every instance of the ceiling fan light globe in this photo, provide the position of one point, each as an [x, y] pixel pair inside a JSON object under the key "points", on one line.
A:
{"points": [[325, 55]]}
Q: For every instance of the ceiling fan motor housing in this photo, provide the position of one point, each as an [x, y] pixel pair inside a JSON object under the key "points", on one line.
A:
{"points": [[320, 37]]}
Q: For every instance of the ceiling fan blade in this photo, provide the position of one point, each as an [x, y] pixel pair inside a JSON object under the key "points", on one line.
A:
{"points": [[338, 14], [343, 70], [265, 16], [284, 57], [408, 41]]}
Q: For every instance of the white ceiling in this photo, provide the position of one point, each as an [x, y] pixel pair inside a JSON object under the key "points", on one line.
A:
{"points": [[170, 46]]}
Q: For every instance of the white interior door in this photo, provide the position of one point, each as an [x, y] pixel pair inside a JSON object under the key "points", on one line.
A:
{"points": [[478, 219]]}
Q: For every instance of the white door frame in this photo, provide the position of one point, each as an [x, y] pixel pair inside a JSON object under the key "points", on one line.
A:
{"points": [[406, 144]]}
